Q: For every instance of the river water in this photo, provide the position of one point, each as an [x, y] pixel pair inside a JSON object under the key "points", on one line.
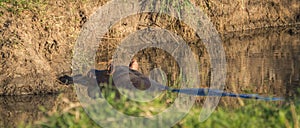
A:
{"points": [[265, 62]]}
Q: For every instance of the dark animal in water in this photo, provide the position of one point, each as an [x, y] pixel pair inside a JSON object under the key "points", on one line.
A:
{"points": [[122, 75]]}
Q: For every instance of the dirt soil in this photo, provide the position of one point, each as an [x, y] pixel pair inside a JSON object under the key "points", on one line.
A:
{"points": [[37, 38]]}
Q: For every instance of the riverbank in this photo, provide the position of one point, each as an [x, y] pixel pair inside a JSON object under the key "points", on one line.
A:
{"points": [[37, 37]]}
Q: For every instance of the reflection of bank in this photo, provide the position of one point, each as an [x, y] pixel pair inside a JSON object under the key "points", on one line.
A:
{"points": [[17, 109], [264, 62]]}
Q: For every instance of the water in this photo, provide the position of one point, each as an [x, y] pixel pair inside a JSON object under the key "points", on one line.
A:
{"points": [[15, 109], [265, 62]]}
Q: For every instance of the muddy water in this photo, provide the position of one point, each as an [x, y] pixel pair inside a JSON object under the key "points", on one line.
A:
{"points": [[265, 62], [16, 109]]}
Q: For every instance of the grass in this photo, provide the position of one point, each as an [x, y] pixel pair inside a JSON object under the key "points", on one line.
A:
{"points": [[253, 114], [167, 6], [17, 6]]}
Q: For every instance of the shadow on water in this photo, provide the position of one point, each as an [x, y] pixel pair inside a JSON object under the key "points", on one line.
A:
{"points": [[265, 62]]}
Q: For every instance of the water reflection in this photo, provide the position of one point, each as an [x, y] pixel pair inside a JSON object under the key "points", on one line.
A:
{"points": [[17, 109], [264, 62]]}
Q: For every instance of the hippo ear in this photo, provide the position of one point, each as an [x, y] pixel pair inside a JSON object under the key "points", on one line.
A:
{"points": [[134, 64], [110, 67]]}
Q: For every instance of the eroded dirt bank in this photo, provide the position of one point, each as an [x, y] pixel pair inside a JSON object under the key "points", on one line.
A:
{"points": [[37, 39]]}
